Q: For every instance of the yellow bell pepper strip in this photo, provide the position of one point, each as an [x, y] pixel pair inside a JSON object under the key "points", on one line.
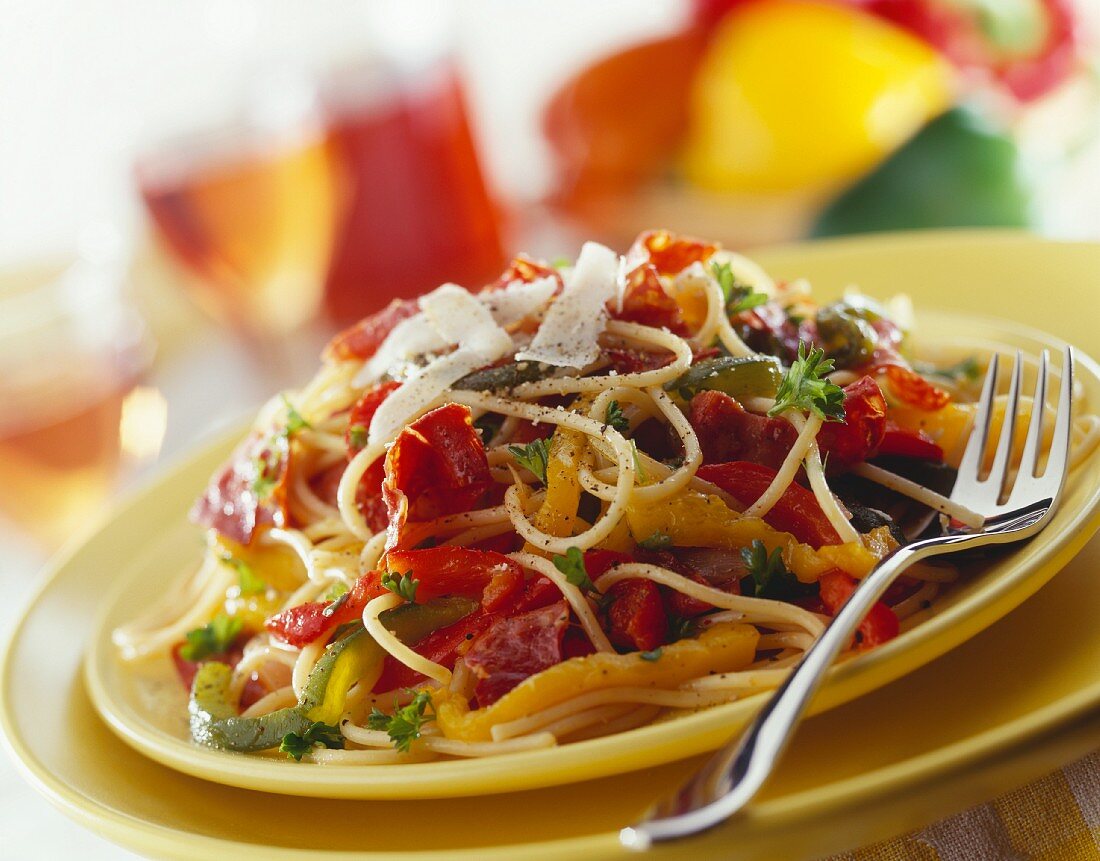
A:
{"points": [[695, 519], [354, 658], [797, 94], [558, 514], [719, 649]]}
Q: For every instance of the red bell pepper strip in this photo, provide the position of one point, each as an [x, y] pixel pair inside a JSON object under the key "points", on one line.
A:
{"points": [[860, 434], [362, 340], [436, 466], [880, 624], [491, 578], [797, 511], [909, 443], [525, 270], [668, 252], [646, 301]]}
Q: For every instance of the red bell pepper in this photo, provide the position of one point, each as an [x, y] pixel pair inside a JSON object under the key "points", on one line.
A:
{"points": [[796, 512], [362, 340], [880, 624], [909, 443]]}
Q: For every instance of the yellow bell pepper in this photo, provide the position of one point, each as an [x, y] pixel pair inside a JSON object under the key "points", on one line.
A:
{"points": [[950, 426], [797, 94], [702, 520], [360, 662], [558, 514], [719, 649]]}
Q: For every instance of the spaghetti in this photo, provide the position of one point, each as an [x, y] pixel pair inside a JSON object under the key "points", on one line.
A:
{"points": [[559, 507]]}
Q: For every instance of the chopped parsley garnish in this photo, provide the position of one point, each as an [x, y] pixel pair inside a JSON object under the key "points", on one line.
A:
{"points": [[294, 420], [357, 436], [657, 541], [404, 725], [739, 297], [213, 638], [654, 655], [266, 467], [615, 417], [639, 467], [249, 583], [316, 735], [338, 590], [968, 370], [402, 584], [804, 387], [768, 576], [680, 628], [535, 456], [572, 566], [487, 424]]}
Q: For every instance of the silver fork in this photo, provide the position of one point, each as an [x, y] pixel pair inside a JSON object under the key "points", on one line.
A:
{"points": [[733, 776]]}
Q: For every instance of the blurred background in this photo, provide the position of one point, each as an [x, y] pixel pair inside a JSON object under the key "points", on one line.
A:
{"points": [[193, 196]]}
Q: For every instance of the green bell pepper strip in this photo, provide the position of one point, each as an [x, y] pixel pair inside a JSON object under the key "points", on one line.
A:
{"points": [[213, 716], [737, 376]]}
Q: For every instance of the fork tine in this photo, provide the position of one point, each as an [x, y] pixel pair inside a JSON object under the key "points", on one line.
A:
{"points": [[971, 464], [998, 473], [1029, 463], [1063, 424]]}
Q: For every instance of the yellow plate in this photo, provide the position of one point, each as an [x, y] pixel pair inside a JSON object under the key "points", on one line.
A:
{"points": [[876, 761], [147, 707]]}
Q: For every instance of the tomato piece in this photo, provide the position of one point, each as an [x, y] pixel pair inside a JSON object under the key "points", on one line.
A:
{"points": [[636, 618], [879, 625], [728, 432], [911, 388], [646, 301], [362, 413], [492, 578], [860, 435], [797, 511], [515, 648], [362, 340], [231, 505], [668, 252], [526, 270], [436, 466], [909, 443]]}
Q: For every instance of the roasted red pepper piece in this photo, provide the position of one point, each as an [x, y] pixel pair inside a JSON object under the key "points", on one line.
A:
{"points": [[362, 340], [515, 648], [728, 432], [668, 252], [362, 413], [797, 511], [646, 301], [880, 624], [860, 434], [492, 578], [636, 618], [523, 269], [304, 623], [440, 647], [436, 466], [910, 387], [909, 443], [231, 504]]}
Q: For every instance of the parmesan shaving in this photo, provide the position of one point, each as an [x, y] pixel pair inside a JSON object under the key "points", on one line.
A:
{"points": [[568, 335]]}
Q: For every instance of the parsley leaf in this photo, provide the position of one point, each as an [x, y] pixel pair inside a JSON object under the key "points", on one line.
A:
{"points": [[294, 420], [615, 417], [357, 436], [572, 566], [680, 628], [404, 725], [639, 467], [804, 387], [657, 541], [739, 297], [768, 576], [654, 655], [338, 590], [403, 585], [317, 734], [535, 457], [249, 583], [213, 638]]}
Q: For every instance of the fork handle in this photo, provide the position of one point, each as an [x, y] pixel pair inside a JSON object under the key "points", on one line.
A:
{"points": [[733, 776]]}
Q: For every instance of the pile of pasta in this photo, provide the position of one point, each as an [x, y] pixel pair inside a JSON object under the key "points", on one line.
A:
{"points": [[561, 506]]}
